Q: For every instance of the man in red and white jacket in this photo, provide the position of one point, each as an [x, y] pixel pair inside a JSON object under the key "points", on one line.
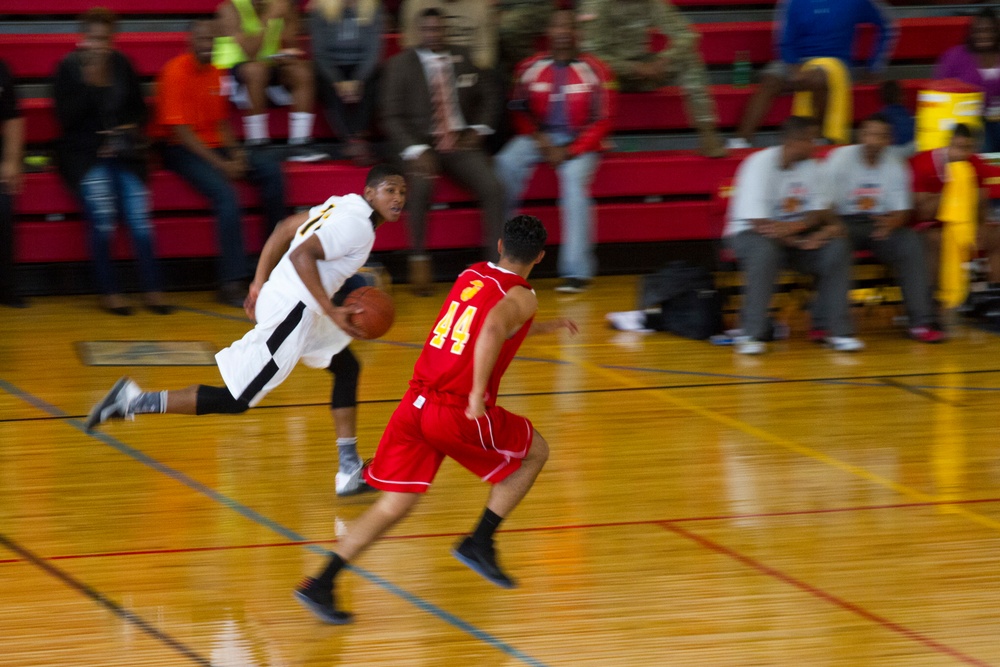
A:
{"points": [[563, 101]]}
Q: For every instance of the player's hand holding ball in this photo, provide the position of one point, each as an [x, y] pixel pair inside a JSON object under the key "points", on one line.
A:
{"points": [[369, 313]]}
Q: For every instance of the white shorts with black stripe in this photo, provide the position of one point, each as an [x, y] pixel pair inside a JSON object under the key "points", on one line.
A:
{"points": [[286, 333]]}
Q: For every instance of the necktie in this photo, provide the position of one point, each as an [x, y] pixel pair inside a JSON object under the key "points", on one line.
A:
{"points": [[443, 130]]}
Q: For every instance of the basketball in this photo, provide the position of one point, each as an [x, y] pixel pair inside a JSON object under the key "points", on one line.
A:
{"points": [[377, 313]]}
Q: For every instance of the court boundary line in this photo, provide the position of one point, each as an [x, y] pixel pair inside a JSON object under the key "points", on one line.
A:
{"points": [[89, 591], [749, 379], [527, 529], [249, 513], [873, 381], [815, 591]]}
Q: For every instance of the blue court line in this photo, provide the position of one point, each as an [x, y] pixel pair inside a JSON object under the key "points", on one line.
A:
{"points": [[274, 526]]}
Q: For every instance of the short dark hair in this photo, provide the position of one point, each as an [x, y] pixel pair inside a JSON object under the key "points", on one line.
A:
{"points": [[379, 173], [795, 126], [98, 16], [984, 14], [963, 131], [877, 118], [523, 238], [431, 11]]}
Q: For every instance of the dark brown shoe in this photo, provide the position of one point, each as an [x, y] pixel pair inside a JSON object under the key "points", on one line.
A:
{"points": [[421, 274]]}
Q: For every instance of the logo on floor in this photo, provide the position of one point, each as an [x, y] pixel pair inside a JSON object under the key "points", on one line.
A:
{"points": [[146, 353]]}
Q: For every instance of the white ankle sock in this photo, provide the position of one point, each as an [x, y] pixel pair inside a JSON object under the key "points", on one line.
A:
{"points": [[255, 127], [300, 126]]}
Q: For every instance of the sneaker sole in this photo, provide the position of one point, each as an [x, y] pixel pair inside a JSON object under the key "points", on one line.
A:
{"points": [[94, 417], [360, 489], [340, 617], [478, 569]]}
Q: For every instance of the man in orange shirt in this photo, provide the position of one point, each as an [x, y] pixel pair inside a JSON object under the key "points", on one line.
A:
{"points": [[193, 121]]}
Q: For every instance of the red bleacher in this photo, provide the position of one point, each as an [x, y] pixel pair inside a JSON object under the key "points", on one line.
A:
{"points": [[921, 39], [645, 178], [620, 175]]}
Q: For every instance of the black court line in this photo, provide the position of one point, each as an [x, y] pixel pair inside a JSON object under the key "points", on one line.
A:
{"points": [[100, 599], [923, 393], [876, 380]]}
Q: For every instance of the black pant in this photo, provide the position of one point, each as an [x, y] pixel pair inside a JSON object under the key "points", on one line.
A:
{"points": [[347, 120], [6, 246]]}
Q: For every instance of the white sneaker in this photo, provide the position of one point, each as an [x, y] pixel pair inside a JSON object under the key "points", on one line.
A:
{"points": [[844, 344], [116, 404], [737, 143], [351, 483], [748, 345], [305, 153], [629, 320]]}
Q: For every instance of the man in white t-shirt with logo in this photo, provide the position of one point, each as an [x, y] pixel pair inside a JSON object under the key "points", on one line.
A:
{"points": [[304, 263], [780, 213], [871, 191]]}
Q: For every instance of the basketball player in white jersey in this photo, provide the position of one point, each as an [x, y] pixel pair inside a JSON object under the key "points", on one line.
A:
{"points": [[304, 263]]}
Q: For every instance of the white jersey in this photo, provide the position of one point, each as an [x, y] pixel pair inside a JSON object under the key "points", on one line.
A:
{"points": [[762, 190], [344, 228]]}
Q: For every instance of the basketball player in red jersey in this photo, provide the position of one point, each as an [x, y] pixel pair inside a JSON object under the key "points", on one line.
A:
{"points": [[450, 410]]}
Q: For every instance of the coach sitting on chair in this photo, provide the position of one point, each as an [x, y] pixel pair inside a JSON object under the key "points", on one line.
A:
{"points": [[780, 212]]}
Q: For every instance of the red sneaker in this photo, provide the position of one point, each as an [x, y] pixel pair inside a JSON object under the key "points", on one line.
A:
{"points": [[927, 335], [818, 335]]}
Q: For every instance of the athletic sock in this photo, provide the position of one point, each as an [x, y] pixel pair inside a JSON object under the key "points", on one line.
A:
{"points": [[150, 402], [333, 566], [300, 126], [347, 451], [488, 525], [255, 128]]}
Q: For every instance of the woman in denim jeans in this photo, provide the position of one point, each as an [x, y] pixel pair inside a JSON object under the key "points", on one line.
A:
{"points": [[101, 111]]}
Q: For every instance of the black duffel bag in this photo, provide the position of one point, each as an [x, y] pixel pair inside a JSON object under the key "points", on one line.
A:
{"points": [[690, 306]]}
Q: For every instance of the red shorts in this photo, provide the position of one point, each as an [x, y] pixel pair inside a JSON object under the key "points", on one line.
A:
{"points": [[421, 433]]}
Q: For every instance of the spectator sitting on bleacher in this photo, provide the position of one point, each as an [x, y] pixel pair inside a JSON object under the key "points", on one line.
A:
{"points": [[101, 156], [564, 100], [617, 32], [436, 105], [933, 170], [347, 46], [871, 192], [977, 62], [780, 212], [11, 148], [810, 29], [193, 122], [258, 47], [471, 24]]}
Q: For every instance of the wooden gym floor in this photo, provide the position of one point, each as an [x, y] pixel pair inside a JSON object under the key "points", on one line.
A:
{"points": [[801, 508]]}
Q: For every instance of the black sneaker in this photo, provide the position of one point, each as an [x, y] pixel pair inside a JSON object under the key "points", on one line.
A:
{"points": [[483, 561], [320, 602]]}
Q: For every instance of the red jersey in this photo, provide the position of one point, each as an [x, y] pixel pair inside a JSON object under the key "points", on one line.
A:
{"points": [[446, 363]]}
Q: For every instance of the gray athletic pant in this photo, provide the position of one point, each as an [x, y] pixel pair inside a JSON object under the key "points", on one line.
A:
{"points": [[762, 259]]}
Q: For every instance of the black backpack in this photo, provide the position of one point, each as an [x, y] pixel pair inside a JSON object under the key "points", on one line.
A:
{"points": [[690, 305]]}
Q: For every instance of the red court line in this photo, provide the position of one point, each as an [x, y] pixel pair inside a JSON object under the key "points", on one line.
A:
{"points": [[530, 529], [823, 595]]}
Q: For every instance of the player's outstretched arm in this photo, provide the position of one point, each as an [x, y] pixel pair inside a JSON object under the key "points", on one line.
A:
{"points": [[502, 322], [548, 326]]}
